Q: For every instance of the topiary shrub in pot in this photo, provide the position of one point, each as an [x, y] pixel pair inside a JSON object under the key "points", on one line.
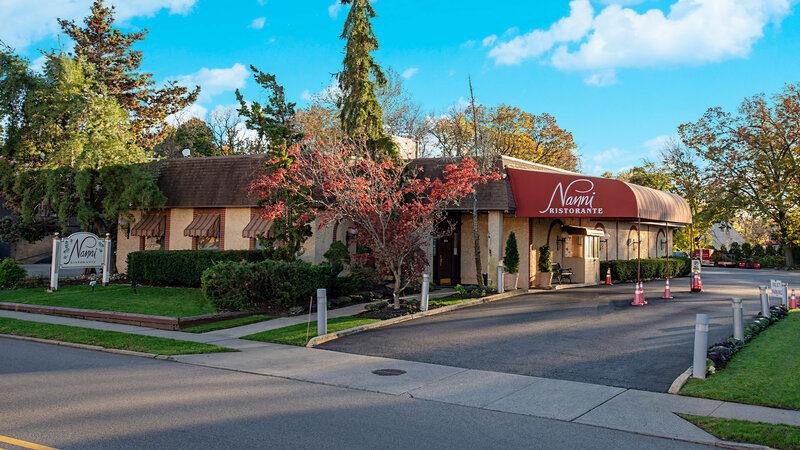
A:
{"points": [[544, 266], [511, 263]]}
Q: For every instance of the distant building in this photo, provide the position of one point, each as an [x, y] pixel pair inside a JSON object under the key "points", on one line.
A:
{"points": [[724, 234]]}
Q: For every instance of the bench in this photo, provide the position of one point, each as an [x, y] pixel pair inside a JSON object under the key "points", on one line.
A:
{"points": [[560, 274]]}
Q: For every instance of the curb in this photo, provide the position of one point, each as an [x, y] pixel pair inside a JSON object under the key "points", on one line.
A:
{"points": [[89, 347], [677, 385], [431, 312]]}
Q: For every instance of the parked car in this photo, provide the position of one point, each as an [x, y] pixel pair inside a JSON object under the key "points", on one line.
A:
{"points": [[749, 265], [680, 254]]}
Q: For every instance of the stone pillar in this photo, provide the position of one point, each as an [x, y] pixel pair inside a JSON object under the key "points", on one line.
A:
{"points": [[495, 244]]}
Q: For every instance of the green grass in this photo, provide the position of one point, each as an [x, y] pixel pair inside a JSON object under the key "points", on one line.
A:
{"points": [[446, 301], [772, 435], [158, 301], [223, 324], [107, 339], [296, 334], [764, 373]]}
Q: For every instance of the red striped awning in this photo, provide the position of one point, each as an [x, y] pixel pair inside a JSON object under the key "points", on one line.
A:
{"points": [[258, 225], [151, 225], [203, 225]]}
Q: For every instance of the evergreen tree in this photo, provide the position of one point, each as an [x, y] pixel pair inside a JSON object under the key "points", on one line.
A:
{"points": [[359, 110], [117, 64], [273, 123], [511, 257]]}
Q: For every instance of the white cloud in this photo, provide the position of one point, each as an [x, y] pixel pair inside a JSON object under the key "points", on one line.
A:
{"points": [[216, 81], [692, 32], [602, 78], [334, 9], [306, 95], [410, 72], [488, 41], [258, 23], [534, 44], [609, 155], [656, 145], [38, 63], [468, 44], [34, 21], [189, 112]]}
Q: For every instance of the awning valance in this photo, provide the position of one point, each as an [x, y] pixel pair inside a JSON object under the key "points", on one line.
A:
{"points": [[151, 225], [582, 231], [258, 225], [546, 194], [203, 225]]}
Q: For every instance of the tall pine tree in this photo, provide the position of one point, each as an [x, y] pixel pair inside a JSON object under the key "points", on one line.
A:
{"points": [[359, 109], [117, 69]]}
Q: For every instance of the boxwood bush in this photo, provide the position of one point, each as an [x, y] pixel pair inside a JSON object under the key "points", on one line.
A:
{"points": [[624, 270], [233, 285], [11, 273], [181, 267]]}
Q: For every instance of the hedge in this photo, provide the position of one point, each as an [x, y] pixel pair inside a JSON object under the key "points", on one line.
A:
{"points": [[235, 285], [180, 267], [624, 270]]}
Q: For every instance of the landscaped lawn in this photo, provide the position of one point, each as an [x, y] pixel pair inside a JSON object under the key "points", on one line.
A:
{"points": [[772, 435], [765, 372], [107, 339], [228, 323], [446, 301], [300, 334], [157, 301]]}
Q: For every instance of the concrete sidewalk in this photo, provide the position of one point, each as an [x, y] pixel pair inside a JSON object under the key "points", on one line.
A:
{"points": [[616, 408]]}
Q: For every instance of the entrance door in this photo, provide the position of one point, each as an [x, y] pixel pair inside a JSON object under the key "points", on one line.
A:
{"points": [[447, 260]]}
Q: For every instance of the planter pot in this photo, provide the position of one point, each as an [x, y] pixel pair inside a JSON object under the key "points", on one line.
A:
{"points": [[544, 280], [510, 280]]}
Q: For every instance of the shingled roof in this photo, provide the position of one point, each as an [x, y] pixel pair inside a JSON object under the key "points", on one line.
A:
{"points": [[211, 182]]}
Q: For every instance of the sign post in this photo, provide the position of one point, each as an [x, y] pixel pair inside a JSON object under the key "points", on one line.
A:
{"points": [[54, 263]]}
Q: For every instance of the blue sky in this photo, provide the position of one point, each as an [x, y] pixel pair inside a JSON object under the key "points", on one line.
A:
{"points": [[620, 75]]}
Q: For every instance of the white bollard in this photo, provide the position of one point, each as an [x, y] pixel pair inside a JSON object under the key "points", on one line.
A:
{"points": [[423, 300], [738, 319], [322, 312], [107, 260], [500, 287], [764, 301], [785, 299], [700, 346]]}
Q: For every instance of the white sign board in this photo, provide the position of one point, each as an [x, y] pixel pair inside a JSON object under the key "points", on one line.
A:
{"points": [[82, 250], [696, 265], [777, 288]]}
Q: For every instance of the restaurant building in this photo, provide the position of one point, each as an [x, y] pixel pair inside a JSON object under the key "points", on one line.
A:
{"points": [[583, 219]]}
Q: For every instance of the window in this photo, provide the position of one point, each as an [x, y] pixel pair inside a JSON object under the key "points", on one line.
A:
{"points": [[154, 243], [207, 243]]}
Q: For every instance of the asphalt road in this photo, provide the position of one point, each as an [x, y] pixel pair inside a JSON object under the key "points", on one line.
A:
{"points": [[590, 334], [70, 398]]}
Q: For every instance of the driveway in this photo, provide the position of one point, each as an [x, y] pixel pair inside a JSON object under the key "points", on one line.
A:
{"points": [[590, 334]]}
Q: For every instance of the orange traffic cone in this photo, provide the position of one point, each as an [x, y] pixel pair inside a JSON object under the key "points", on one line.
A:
{"points": [[792, 301], [638, 296], [608, 277], [667, 293], [697, 285]]}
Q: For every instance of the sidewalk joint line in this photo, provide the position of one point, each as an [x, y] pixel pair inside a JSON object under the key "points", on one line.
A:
{"points": [[601, 404]]}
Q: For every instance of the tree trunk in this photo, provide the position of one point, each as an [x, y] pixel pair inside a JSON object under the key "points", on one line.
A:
{"points": [[396, 293], [787, 250], [477, 236]]}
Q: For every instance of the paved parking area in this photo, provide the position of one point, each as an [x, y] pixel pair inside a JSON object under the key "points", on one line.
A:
{"points": [[590, 334]]}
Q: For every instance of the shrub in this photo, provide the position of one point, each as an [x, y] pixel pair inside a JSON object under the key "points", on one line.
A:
{"points": [[235, 285], [181, 267], [11, 273], [545, 262], [511, 258], [337, 256], [376, 306], [624, 270]]}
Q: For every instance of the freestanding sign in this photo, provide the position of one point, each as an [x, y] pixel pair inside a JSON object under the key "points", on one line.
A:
{"points": [[777, 289], [696, 266], [80, 249]]}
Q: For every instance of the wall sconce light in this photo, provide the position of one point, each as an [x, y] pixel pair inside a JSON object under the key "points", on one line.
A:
{"points": [[604, 242], [632, 242], [561, 241], [663, 243]]}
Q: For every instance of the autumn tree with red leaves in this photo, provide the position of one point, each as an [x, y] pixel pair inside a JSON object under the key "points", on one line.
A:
{"points": [[396, 215]]}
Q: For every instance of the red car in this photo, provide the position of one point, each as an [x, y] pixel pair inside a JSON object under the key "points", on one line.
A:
{"points": [[749, 265]]}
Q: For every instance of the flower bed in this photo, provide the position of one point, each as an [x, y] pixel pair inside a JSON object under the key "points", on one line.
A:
{"points": [[720, 353]]}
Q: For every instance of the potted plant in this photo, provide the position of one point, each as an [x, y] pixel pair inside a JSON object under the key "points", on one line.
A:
{"points": [[511, 263], [544, 274]]}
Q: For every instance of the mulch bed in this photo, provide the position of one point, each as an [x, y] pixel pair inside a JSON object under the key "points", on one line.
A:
{"points": [[386, 313]]}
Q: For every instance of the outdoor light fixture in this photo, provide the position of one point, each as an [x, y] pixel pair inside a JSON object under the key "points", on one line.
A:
{"points": [[605, 241], [632, 242], [663, 243], [561, 241]]}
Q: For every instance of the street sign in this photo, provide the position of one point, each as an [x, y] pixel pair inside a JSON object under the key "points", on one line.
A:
{"points": [[777, 288], [696, 265]]}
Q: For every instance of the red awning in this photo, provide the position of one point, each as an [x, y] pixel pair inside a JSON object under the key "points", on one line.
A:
{"points": [[258, 225], [203, 225], [151, 225], [545, 194]]}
